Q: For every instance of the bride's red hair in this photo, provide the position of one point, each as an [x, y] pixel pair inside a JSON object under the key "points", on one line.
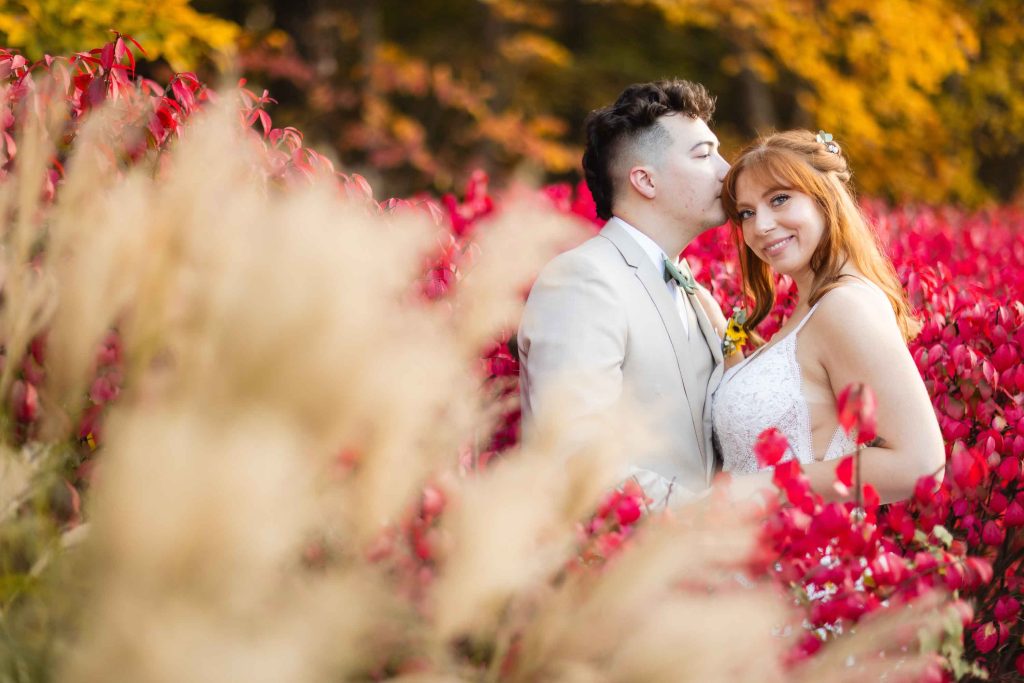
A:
{"points": [[796, 160]]}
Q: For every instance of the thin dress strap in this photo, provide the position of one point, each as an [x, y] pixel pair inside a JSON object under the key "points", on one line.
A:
{"points": [[807, 317], [734, 369]]}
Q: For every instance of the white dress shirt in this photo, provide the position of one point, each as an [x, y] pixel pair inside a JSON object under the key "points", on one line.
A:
{"points": [[658, 256]]}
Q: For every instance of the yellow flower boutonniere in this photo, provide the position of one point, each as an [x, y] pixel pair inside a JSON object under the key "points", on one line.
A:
{"points": [[735, 334]]}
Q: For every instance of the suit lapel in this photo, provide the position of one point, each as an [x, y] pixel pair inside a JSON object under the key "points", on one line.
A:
{"points": [[651, 280], [714, 343], [716, 373]]}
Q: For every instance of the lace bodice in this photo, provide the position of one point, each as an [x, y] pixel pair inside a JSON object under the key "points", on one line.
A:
{"points": [[762, 391]]}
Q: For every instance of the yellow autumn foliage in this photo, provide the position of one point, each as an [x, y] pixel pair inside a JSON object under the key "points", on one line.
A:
{"points": [[171, 29], [986, 113], [871, 73], [528, 46]]}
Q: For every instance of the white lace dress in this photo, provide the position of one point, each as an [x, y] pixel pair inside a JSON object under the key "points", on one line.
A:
{"points": [[762, 391]]}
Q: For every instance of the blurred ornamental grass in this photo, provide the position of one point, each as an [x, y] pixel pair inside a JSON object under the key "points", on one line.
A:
{"points": [[292, 409]]}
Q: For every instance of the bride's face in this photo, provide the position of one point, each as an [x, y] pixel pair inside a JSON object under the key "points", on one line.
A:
{"points": [[781, 226]]}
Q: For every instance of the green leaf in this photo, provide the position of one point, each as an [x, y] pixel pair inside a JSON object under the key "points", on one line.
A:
{"points": [[942, 534]]}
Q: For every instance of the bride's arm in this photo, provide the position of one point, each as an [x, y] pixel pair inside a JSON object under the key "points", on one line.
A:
{"points": [[863, 344], [860, 342]]}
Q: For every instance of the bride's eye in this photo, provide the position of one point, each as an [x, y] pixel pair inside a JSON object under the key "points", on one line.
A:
{"points": [[745, 214], [779, 199]]}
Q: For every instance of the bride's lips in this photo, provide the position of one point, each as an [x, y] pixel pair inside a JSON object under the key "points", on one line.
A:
{"points": [[775, 247]]}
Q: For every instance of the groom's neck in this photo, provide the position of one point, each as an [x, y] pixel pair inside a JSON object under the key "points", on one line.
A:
{"points": [[667, 234]]}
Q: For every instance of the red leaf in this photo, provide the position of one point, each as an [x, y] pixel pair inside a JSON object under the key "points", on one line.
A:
{"points": [[993, 534], [856, 406], [136, 44], [1006, 609], [925, 562], [1009, 468], [770, 447], [628, 510], [785, 472], [182, 93], [888, 569], [107, 56], [96, 93], [364, 187], [979, 570], [844, 472], [1014, 515], [871, 498], [967, 466], [986, 637], [954, 577], [433, 501], [24, 401]]}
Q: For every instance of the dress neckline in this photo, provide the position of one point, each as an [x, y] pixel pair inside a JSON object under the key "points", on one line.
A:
{"points": [[776, 341], [857, 280]]}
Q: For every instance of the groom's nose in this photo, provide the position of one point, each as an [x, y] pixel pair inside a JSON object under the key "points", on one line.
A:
{"points": [[723, 168]]}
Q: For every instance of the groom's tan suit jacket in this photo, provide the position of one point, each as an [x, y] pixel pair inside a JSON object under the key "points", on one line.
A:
{"points": [[599, 323]]}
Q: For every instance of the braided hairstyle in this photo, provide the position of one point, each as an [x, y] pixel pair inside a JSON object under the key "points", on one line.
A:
{"points": [[799, 161], [632, 123]]}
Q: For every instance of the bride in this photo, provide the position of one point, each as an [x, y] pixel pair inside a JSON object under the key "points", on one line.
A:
{"points": [[791, 198]]}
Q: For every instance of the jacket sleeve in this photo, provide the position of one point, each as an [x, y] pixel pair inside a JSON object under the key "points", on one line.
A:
{"points": [[572, 341]]}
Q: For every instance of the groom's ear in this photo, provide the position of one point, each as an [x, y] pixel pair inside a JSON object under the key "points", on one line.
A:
{"points": [[642, 180]]}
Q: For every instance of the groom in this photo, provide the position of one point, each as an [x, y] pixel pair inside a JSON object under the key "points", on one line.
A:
{"points": [[611, 317]]}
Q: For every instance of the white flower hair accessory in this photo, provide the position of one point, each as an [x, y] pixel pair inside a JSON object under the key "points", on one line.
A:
{"points": [[826, 139]]}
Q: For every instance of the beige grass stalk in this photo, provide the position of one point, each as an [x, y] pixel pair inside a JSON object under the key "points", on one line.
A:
{"points": [[198, 529], [277, 330], [95, 253], [512, 529], [509, 251], [28, 293], [16, 471], [669, 609]]}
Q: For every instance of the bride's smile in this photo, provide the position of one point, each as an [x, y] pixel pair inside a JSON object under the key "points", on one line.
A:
{"points": [[775, 247]]}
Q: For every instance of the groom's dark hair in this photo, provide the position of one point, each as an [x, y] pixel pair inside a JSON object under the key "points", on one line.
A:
{"points": [[632, 122]]}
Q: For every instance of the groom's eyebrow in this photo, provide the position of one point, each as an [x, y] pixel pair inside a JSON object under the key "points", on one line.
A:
{"points": [[712, 143]]}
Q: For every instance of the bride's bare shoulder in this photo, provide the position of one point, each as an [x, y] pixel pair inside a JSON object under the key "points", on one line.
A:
{"points": [[856, 308]]}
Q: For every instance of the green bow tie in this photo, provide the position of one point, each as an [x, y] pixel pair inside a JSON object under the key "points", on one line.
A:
{"points": [[682, 277]]}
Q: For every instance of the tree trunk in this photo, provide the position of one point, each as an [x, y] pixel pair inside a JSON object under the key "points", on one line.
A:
{"points": [[758, 109]]}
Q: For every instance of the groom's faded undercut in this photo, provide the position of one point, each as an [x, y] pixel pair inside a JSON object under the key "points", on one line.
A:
{"points": [[629, 130]]}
